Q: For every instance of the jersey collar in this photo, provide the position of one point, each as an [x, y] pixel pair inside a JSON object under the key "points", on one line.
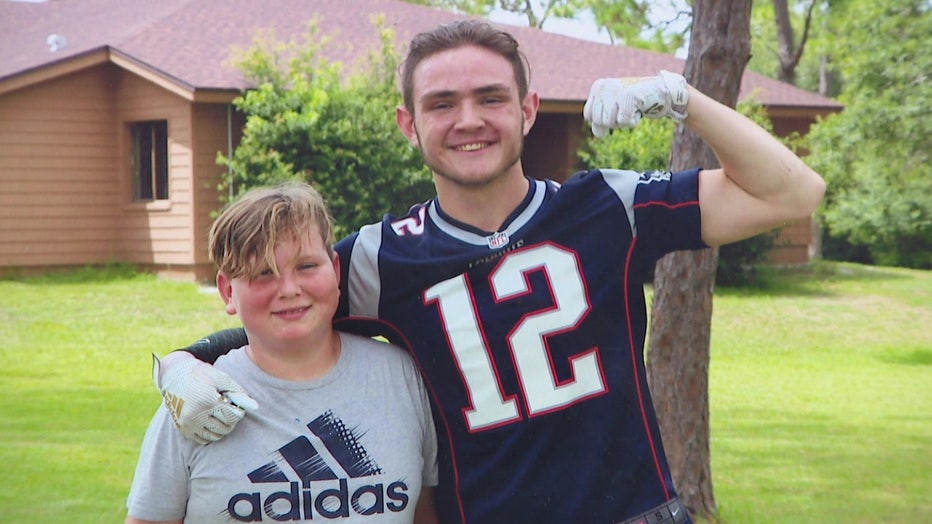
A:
{"points": [[494, 239]]}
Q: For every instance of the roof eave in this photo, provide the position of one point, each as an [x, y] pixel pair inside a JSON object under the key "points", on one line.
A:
{"points": [[808, 111], [107, 54], [50, 70], [773, 110]]}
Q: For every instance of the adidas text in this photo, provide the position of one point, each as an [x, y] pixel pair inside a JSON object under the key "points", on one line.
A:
{"points": [[334, 503]]}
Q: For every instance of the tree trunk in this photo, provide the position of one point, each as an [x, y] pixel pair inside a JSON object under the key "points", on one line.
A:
{"points": [[786, 45], [681, 317], [788, 52]]}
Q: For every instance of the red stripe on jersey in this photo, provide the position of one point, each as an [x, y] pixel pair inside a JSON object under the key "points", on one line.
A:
{"points": [[637, 378]]}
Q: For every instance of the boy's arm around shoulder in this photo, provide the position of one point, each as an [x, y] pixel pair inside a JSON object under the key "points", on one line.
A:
{"points": [[761, 184], [204, 402]]}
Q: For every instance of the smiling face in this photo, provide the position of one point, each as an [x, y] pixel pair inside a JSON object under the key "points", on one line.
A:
{"points": [[468, 121], [292, 310]]}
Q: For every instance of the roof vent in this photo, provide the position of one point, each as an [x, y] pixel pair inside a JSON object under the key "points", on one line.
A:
{"points": [[55, 42]]}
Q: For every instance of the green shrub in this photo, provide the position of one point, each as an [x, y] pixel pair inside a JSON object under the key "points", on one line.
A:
{"points": [[304, 122]]}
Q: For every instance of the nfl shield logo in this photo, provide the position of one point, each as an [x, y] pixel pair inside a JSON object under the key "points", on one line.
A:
{"points": [[497, 240]]}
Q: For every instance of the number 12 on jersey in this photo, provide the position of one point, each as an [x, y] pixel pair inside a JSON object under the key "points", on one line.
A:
{"points": [[527, 340]]}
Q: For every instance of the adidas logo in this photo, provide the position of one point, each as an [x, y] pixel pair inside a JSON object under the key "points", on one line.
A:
{"points": [[174, 405], [331, 467]]}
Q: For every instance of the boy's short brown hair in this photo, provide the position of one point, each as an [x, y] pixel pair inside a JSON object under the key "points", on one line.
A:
{"points": [[457, 34], [242, 239]]}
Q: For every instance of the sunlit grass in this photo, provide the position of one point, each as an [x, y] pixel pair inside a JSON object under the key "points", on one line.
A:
{"points": [[75, 376], [821, 392], [821, 398]]}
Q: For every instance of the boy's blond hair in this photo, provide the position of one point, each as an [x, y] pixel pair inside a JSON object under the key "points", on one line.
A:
{"points": [[242, 239]]}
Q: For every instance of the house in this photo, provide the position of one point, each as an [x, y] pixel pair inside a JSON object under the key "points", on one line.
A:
{"points": [[112, 113]]}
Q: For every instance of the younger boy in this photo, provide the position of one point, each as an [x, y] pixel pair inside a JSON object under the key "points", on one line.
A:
{"points": [[344, 429]]}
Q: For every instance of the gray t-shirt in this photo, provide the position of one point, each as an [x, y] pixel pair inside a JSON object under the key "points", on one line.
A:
{"points": [[355, 446]]}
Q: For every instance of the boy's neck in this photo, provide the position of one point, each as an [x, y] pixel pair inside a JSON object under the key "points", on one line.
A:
{"points": [[298, 365], [485, 207]]}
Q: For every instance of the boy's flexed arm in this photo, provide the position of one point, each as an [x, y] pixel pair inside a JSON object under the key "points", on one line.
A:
{"points": [[761, 184], [204, 402]]}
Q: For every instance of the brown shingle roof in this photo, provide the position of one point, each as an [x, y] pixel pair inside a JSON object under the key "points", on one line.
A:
{"points": [[188, 42]]}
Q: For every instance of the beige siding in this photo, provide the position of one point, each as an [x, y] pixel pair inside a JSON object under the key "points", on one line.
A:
{"points": [[795, 244], [57, 199], [154, 233], [66, 183], [210, 137]]}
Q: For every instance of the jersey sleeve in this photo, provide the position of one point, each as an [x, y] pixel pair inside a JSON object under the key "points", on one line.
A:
{"points": [[666, 214]]}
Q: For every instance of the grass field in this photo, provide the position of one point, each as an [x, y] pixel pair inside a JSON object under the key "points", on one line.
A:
{"points": [[821, 392]]}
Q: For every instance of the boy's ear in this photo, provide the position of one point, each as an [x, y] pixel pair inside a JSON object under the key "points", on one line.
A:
{"points": [[529, 107], [225, 288], [405, 121]]}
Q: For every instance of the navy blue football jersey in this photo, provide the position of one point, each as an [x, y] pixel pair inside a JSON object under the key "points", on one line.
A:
{"points": [[530, 340]]}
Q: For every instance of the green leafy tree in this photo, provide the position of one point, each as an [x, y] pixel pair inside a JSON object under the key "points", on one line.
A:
{"points": [[642, 148], [632, 22], [875, 155], [781, 31], [304, 122]]}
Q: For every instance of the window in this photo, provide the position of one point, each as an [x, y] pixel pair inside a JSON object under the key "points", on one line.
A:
{"points": [[150, 160]]}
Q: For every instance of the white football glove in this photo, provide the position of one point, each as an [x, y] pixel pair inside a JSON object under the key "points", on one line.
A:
{"points": [[204, 402], [622, 102]]}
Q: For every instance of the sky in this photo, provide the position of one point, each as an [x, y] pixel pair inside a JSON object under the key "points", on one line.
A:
{"points": [[584, 26]]}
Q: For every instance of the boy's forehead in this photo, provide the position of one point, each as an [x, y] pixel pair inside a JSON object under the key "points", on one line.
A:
{"points": [[462, 68]]}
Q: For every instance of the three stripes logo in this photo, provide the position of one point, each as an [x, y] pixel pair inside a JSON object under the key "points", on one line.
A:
{"points": [[174, 405], [308, 462], [326, 473]]}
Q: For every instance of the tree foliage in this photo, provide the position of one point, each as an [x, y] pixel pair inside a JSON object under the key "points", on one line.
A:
{"points": [[875, 155], [780, 33], [871, 56], [627, 22], [789, 41], [304, 121], [535, 11]]}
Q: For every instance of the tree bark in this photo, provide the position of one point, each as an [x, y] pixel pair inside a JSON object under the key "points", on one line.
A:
{"points": [[681, 317], [788, 52], [786, 45]]}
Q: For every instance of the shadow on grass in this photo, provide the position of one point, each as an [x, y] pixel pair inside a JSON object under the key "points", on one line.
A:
{"points": [[915, 357], [808, 280], [113, 272]]}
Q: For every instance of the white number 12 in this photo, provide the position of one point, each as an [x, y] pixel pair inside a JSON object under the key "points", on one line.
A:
{"points": [[527, 340]]}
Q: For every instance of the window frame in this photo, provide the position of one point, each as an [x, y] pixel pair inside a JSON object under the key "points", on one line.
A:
{"points": [[149, 160]]}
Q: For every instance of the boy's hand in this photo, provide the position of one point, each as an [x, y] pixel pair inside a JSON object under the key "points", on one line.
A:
{"points": [[204, 402], [622, 102]]}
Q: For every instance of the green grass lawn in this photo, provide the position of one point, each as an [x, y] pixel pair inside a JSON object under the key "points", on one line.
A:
{"points": [[821, 398], [821, 392]]}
